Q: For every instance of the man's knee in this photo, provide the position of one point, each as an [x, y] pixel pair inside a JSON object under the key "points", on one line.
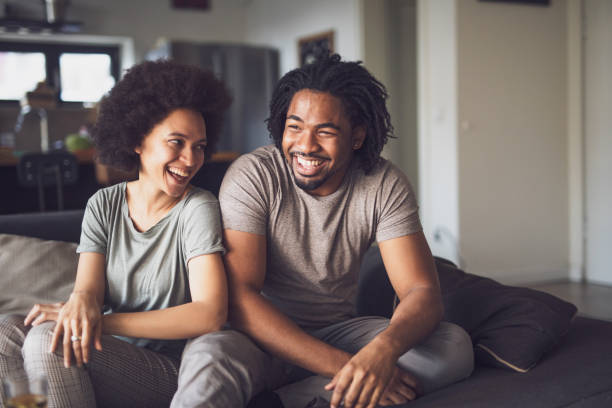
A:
{"points": [[219, 346], [444, 358], [457, 357], [217, 369]]}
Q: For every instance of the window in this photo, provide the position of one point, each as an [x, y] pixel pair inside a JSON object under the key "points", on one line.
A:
{"points": [[80, 73]]}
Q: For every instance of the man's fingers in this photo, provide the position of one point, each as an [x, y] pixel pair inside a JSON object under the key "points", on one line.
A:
{"points": [[353, 393], [341, 385], [404, 391], [409, 380], [367, 392], [375, 398]]}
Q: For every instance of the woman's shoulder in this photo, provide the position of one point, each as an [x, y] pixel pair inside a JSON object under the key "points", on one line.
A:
{"points": [[199, 198], [108, 196]]}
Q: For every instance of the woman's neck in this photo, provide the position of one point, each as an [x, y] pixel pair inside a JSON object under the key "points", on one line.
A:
{"points": [[147, 204]]}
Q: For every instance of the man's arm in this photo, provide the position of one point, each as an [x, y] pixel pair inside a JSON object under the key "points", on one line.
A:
{"points": [[245, 264], [373, 371]]}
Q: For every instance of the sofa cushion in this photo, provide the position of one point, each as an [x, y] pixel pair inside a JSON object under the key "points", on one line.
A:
{"points": [[511, 327], [34, 271]]}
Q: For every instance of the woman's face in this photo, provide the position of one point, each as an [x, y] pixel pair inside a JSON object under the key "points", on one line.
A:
{"points": [[173, 152]]}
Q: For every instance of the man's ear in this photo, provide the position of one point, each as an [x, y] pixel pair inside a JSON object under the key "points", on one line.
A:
{"points": [[138, 149], [359, 135]]}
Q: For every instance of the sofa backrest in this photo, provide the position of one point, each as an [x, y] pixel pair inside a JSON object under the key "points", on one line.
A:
{"points": [[57, 225]]}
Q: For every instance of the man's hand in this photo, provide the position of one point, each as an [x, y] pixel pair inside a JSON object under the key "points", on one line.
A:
{"points": [[370, 377]]}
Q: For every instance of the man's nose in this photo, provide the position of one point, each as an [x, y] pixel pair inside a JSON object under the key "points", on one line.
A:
{"points": [[307, 142]]}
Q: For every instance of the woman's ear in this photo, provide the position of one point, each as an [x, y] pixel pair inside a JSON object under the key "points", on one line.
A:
{"points": [[138, 149], [359, 134]]}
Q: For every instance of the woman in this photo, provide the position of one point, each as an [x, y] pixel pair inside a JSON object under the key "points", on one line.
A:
{"points": [[150, 272]]}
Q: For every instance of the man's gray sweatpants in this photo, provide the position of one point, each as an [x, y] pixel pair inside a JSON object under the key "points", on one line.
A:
{"points": [[225, 369]]}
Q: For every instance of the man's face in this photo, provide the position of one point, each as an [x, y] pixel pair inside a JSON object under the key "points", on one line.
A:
{"points": [[318, 141]]}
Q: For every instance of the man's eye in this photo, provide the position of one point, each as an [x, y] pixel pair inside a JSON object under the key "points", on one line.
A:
{"points": [[176, 142], [201, 147], [293, 127]]}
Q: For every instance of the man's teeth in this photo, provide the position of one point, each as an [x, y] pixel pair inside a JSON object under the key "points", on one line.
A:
{"points": [[178, 172], [308, 163]]}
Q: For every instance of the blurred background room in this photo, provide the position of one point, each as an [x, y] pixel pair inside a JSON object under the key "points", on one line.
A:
{"points": [[503, 110]]}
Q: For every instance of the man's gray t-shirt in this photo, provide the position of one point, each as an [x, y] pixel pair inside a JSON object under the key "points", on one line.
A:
{"points": [[148, 270], [315, 244]]}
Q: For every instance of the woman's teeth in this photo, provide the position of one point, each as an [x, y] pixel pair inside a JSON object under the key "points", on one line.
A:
{"points": [[178, 172]]}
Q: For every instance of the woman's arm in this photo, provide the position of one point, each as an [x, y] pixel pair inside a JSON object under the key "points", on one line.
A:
{"points": [[81, 315], [206, 312]]}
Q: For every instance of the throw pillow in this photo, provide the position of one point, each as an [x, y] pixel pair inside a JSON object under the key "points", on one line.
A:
{"points": [[511, 327], [33, 271]]}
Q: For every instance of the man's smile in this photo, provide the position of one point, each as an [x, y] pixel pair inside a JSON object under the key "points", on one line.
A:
{"points": [[307, 166]]}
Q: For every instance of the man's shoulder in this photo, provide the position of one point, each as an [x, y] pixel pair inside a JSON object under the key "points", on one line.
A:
{"points": [[259, 166], [265, 156], [383, 173]]}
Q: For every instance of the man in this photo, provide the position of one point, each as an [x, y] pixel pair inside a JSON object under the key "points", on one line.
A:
{"points": [[298, 218]]}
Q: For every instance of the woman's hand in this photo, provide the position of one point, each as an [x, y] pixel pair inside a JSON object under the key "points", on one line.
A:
{"points": [[80, 322], [43, 312]]}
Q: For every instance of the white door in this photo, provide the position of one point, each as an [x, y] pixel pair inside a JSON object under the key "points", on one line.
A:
{"points": [[598, 140]]}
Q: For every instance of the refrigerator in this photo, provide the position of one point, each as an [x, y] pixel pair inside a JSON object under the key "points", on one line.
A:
{"points": [[250, 73]]}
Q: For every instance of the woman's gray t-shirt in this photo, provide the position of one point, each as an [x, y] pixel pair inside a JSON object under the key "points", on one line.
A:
{"points": [[148, 270]]}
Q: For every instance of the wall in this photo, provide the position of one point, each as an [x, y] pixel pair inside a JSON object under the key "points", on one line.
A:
{"points": [[512, 150], [597, 139], [389, 53], [147, 20], [437, 125], [280, 23]]}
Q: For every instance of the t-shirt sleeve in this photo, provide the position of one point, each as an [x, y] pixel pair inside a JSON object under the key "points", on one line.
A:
{"points": [[94, 234], [202, 229], [398, 211], [243, 197]]}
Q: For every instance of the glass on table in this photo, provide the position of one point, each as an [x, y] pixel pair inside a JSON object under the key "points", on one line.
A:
{"points": [[21, 392]]}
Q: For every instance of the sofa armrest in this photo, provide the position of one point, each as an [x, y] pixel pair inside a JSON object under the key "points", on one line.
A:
{"points": [[58, 225]]}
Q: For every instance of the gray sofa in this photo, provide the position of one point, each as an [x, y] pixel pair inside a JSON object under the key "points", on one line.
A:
{"points": [[531, 350]]}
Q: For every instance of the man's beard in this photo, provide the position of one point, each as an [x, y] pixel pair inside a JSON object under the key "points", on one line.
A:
{"points": [[309, 185]]}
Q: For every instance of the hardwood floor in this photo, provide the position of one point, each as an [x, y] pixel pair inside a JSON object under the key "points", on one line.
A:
{"points": [[591, 300]]}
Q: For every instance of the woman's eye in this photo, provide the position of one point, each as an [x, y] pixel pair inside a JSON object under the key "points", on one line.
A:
{"points": [[176, 142]]}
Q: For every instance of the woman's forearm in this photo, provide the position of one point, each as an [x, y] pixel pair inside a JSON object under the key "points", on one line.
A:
{"points": [[179, 322]]}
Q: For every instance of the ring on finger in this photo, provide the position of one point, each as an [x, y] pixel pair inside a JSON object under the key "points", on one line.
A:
{"points": [[75, 338]]}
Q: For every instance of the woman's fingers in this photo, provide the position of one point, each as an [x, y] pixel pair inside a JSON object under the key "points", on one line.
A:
{"points": [[98, 336], [32, 314], [67, 343], [43, 312], [76, 341]]}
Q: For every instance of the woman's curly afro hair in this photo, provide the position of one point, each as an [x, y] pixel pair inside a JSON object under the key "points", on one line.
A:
{"points": [[144, 97], [362, 95]]}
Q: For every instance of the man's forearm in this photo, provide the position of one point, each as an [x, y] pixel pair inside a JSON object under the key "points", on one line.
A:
{"points": [[414, 318], [277, 334]]}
